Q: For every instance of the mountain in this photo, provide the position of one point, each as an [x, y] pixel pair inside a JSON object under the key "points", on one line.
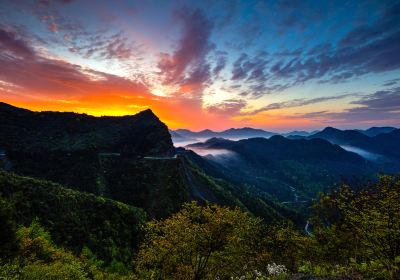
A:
{"points": [[181, 135], [178, 137], [24, 131], [110, 229], [207, 183], [381, 147], [341, 137], [128, 159], [121, 158], [374, 131], [284, 168], [245, 132], [299, 133]]}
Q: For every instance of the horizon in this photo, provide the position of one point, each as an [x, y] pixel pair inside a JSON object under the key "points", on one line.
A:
{"points": [[273, 65], [201, 130]]}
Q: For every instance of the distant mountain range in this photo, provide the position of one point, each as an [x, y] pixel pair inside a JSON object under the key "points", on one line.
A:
{"points": [[381, 144], [131, 163], [278, 165], [132, 160], [374, 131], [129, 159], [186, 136], [180, 135]]}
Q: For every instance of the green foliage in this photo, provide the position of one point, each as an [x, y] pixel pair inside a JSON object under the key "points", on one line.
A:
{"points": [[355, 234], [38, 258], [362, 229], [8, 241], [287, 245], [110, 229], [221, 192], [153, 185], [201, 243], [273, 165]]}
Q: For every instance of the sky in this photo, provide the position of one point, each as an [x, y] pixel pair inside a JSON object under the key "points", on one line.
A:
{"points": [[276, 65]]}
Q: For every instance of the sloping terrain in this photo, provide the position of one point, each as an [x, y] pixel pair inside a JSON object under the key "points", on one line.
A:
{"points": [[208, 184], [278, 165], [26, 131], [128, 159], [108, 228], [110, 156], [379, 147]]}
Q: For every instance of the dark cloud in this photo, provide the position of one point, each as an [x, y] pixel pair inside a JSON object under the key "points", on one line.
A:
{"points": [[295, 52], [379, 107], [220, 63], [11, 43], [387, 100], [49, 2], [250, 69], [292, 14], [391, 82], [389, 22], [238, 71], [188, 64], [371, 48]]}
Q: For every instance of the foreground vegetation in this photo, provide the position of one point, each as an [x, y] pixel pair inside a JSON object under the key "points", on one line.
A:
{"points": [[356, 235]]}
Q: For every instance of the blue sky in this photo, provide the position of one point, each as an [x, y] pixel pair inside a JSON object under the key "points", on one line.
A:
{"points": [[207, 64]]}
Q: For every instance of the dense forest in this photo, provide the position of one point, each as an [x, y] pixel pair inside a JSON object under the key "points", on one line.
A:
{"points": [[111, 198], [353, 234]]}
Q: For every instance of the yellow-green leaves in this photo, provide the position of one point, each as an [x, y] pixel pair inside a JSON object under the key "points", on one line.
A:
{"points": [[200, 243]]}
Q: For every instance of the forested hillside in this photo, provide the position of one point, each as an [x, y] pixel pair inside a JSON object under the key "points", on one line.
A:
{"points": [[284, 168], [111, 198], [130, 159], [110, 229], [354, 235]]}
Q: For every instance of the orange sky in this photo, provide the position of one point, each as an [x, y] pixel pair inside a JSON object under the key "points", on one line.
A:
{"points": [[205, 65]]}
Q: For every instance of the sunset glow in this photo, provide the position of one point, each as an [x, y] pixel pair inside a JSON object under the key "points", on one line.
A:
{"points": [[206, 64]]}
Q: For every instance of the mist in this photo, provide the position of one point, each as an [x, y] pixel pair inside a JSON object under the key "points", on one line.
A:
{"points": [[364, 153]]}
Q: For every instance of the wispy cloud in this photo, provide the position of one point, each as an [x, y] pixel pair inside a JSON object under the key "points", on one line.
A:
{"points": [[378, 107], [229, 107], [295, 103]]}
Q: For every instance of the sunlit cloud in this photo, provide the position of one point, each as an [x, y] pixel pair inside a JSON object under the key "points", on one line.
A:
{"points": [[208, 64]]}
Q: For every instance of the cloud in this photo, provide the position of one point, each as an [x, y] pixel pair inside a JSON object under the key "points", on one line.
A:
{"points": [[187, 66], [229, 107], [53, 27], [29, 70], [53, 84], [220, 63], [391, 82], [377, 108], [387, 100], [100, 42], [250, 68], [369, 48], [295, 103], [239, 72], [11, 43]]}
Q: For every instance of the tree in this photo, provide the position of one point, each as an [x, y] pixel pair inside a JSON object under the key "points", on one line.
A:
{"points": [[288, 246], [363, 228], [201, 243], [8, 240]]}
